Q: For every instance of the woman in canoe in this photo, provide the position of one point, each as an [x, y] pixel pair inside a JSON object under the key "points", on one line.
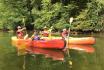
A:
{"points": [[20, 33]]}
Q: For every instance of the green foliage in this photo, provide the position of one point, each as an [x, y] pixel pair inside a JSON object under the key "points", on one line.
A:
{"points": [[91, 18], [88, 14], [95, 14], [56, 15]]}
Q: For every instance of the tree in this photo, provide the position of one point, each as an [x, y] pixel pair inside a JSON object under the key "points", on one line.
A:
{"points": [[88, 14]]}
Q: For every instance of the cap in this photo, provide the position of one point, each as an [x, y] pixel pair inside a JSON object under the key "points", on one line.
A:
{"points": [[19, 27], [64, 29]]}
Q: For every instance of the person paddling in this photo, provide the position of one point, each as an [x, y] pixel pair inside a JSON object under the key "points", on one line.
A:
{"points": [[35, 36], [19, 32], [45, 32], [64, 33]]}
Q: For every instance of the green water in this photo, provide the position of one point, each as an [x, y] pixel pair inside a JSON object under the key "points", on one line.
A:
{"points": [[81, 61]]}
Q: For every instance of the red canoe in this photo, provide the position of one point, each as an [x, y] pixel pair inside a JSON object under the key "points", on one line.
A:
{"points": [[52, 44]]}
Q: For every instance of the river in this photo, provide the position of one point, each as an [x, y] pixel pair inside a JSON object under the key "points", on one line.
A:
{"points": [[79, 60]]}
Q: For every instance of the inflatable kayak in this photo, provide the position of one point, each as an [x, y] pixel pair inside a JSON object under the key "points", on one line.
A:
{"points": [[51, 44], [75, 40]]}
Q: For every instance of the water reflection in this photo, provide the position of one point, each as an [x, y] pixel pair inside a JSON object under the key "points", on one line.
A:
{"points": [[80, 60], [84, 48], [58, 54], [48, 53]]}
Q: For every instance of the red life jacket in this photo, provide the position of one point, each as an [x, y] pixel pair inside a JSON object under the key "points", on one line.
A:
{"points": [[45, 33], [19, 34], [64, 33]]}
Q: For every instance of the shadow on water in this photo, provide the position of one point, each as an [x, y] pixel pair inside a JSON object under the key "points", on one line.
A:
{"points": [[80, 60]]}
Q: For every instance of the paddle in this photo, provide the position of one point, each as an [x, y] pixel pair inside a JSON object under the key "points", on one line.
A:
{"points": [[67, 50], [50, 32], [70, 21], [23, 20], [25, 37]]}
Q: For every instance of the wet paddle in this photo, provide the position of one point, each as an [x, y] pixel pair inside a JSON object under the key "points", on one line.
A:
{"points": [[67, 50], [70, 21], [24, 62]]}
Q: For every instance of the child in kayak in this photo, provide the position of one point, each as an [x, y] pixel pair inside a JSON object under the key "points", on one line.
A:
{"points": [[35, 36]]}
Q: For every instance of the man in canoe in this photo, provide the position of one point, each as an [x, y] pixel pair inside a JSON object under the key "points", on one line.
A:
{"points": [[64, 33], [20, 33]]}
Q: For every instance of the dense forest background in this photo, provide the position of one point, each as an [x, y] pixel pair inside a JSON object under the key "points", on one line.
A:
{"points": [[36, 14]]}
